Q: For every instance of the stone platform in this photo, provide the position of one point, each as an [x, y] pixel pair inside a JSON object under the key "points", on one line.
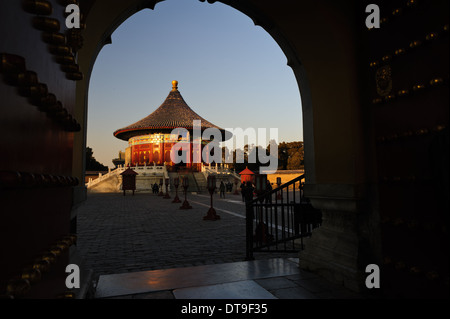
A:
{"points": [[259, 279]]}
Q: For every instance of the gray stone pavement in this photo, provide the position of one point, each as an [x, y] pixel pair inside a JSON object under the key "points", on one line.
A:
{"points": [[276, 278], [119, 233], [128, 234]]}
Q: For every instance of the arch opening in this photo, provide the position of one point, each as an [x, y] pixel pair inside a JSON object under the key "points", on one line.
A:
{"points": [[235, 83], [198, 99]]}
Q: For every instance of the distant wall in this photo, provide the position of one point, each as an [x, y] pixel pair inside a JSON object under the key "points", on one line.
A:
{"points": [[286, 176]]}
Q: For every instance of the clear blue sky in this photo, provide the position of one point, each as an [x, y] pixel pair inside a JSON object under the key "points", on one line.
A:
{"points": [[230, 72]]}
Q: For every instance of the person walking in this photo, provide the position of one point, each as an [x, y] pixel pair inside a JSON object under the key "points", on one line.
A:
{"points": [[243, 191], [222, 189], [248, 193]]}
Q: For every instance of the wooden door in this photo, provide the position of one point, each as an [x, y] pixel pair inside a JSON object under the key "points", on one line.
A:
{"points": [[38, 74], [409, 103]]}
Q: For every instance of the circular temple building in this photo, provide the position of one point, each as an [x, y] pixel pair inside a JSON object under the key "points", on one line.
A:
{"points": [[150, 140]]}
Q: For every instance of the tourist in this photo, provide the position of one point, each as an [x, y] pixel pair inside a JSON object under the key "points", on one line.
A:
{"points": [[243, 191], [222, 189], [248, 193]]}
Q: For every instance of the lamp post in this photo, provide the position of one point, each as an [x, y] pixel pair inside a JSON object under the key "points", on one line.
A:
{"points": [[167, 189], [211, 215], [160, 187], [261, 184], [185, 204], [301, 186], [262, 234], [176, 183]]}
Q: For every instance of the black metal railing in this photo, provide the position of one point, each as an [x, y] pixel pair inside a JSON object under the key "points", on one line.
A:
{"points": [[278, 220]]}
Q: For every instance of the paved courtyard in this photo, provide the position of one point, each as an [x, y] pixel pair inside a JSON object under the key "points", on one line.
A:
{"points": [[118, 234], [145, 247]]}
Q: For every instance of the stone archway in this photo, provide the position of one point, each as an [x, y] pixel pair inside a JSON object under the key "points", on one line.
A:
{"points": [[356, 142], [324, 62]]}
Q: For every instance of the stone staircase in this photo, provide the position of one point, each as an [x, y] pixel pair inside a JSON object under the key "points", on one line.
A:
{"points": [[112, 181], [200, 181], [195, 184]]}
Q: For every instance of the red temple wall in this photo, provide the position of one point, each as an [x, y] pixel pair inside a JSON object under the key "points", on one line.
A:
{"points": [[160, 153]]}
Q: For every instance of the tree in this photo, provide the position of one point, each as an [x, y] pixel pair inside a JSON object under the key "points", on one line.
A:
{"points": [[290, 155], [283, 155], [91, 163], [294, 161]]}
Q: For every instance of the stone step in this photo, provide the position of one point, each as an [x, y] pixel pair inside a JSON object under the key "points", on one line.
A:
{"points": [[228, 280]]}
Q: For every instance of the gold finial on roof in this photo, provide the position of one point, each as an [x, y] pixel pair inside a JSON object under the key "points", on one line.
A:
{"points": [[174, 85]]}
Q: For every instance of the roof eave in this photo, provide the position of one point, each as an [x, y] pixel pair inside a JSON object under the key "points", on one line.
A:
{"points": [[126, 134]]}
